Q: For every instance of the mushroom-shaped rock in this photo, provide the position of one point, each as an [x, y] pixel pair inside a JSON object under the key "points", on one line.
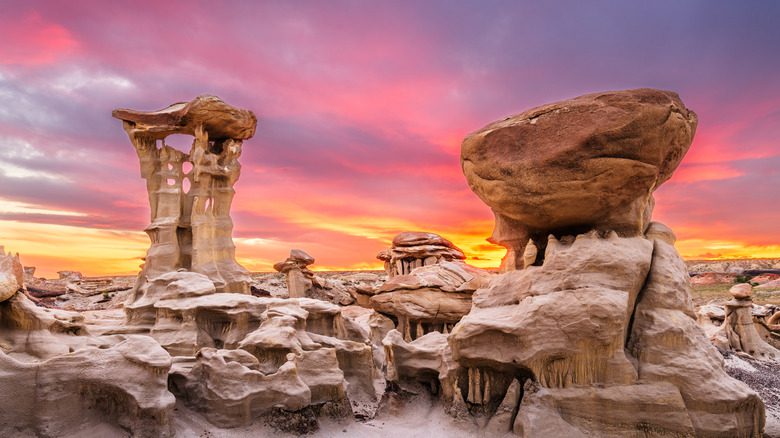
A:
{"points": [[414, 249], [597, 316], [299, 277], [588, 162], [191, 227], [218, 118], [741, 291], [430, 298]]}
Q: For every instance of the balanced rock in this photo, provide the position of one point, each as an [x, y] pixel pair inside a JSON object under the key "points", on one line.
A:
{"points": [[740, 327], [591, 162], [597, 315], [191, 226], [302, 282], [299, 277], [742, 291], [414, 249]]}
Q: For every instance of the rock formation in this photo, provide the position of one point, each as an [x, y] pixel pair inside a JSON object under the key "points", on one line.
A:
{"points": [[299, 277], [587, 163], [739, 326], [302, 282], [289, 353], [589, 331], [429, 298], [597, 316], [56, 377], [190, 193], [11, 275], [412, 249]]}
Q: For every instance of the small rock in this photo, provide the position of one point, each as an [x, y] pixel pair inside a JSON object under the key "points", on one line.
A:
{"points": [[741, 291]]}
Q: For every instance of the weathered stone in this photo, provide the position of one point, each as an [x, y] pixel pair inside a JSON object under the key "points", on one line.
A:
{"points": [[124, 385], [414, 249], [430, 298], [584, 163], [742, 291], [602, 322], [191, 227], [11, 275]]}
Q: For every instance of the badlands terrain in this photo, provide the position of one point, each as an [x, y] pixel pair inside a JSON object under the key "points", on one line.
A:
{"points": [[593, 325]]}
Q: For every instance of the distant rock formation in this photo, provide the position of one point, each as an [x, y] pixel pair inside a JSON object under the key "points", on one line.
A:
{"points": [[190, 194], [414, 249], [739, 326], [302, 282], [299, 277]]}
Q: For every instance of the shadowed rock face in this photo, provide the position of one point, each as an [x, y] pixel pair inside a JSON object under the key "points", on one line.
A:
{"points": [[190, 209], [591, 162]]}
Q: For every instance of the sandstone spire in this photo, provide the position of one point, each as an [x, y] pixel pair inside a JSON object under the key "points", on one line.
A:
{"points": [[190, 193]]}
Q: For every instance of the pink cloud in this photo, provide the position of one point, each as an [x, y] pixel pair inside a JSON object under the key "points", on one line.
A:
{"points": [[30, 40]]}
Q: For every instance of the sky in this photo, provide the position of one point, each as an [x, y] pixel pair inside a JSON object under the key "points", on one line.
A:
{"points": [[362, 107]]}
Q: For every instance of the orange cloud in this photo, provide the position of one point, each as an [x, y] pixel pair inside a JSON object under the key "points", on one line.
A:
{"points": [[701, 249]]}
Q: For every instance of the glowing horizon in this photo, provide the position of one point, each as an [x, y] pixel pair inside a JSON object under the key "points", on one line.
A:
{"points": [[361, 111]]}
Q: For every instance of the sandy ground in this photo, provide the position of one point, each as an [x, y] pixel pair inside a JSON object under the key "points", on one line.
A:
{"points": [[419, 417]]}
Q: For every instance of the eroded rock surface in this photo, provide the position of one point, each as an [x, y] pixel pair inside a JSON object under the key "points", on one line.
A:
{"points": [[190, 194], [55, 378], [591, 162], [11, 275], [429, 298], [414, 249]]}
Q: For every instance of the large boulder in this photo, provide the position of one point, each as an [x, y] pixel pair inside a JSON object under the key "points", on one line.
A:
{"points": [[588, 162]]}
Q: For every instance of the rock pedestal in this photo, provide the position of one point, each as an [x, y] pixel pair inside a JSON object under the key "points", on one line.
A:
{"points": [[299, 277], [595, 316], [190, 194], [413, 249], [740, 328]]}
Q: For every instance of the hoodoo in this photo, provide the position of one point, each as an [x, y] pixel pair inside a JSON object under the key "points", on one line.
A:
{"points": [[190, 193], [598, 317]]}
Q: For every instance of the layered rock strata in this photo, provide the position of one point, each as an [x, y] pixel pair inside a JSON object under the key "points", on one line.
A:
{"points": [[430, 298], [414, 249]]}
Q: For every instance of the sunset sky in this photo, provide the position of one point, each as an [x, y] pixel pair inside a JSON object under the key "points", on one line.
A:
{"points": [[362, 107]]}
